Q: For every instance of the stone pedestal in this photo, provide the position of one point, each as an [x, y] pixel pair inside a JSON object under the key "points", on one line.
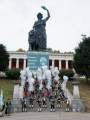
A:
{"points": [[37, 59], [16, 105], [76, 104], [76, 90]]}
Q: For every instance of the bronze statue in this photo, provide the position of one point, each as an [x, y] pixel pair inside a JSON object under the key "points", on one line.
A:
{"points": [[37, 37]]}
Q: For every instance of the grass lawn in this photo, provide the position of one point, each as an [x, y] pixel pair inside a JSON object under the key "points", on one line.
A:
{"points": [[7, 86], [84, 92]]}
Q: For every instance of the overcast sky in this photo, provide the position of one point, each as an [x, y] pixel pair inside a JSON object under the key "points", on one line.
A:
{"points": [[69, 19]]}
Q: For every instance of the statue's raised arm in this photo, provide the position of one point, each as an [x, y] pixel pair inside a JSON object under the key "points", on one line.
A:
{"points": [[48, 14]]}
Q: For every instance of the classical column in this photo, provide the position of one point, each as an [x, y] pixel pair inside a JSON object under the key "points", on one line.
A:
{"points": [[66, 64], [17, 63], [52, 63], [10, 62], [60, 65], [24, 65]]}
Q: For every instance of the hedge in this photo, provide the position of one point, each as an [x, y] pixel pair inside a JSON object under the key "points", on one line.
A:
{"points": [[68, 73], [13, 73]]}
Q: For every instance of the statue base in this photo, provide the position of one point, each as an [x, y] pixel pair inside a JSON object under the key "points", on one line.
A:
{"points": [[37, 59], [77, 105]]}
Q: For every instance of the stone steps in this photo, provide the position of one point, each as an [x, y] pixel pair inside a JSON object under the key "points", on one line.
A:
{"points": [[18, 107]]}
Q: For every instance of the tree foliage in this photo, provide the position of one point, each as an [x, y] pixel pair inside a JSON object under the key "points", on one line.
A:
{"points": [[4, 58], [82, 58], [13, 74], [68, 72]]}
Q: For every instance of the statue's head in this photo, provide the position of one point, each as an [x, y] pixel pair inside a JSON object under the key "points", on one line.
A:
{"points": [[39, 16]]}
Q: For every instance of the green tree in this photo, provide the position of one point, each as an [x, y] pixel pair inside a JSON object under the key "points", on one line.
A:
{"points": [[82, 58], [4, 58]]}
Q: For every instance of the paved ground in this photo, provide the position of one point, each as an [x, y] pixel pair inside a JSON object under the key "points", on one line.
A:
{"points": [[48, 116]]}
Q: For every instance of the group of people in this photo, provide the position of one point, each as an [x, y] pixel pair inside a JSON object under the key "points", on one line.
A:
{"points": [[43, 77], [44, 98]]}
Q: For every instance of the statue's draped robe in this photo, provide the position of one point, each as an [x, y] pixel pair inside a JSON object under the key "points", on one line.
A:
{"points": [[37, 36]]}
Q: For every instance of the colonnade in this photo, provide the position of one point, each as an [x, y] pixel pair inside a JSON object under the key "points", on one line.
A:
{"points": [[15, 63]]}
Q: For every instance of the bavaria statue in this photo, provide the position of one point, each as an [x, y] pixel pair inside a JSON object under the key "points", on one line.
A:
{"points": [[37, 37]]}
